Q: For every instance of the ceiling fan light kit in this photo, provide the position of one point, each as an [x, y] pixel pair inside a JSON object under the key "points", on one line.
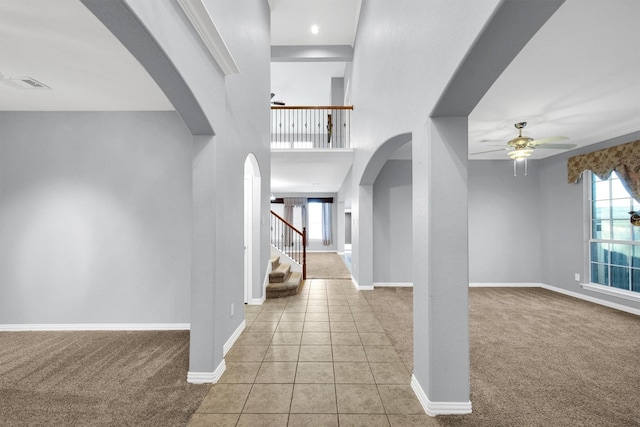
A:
{"points": [[521, 147]]}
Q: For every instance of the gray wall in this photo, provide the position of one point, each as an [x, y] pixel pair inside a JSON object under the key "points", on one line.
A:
{"points": [[95, 218], [562, 216], [531, 228], [392, 223], [504, 222]]}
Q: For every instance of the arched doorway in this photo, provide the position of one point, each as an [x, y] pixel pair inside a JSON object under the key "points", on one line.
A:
{"points": [[252, 200]]}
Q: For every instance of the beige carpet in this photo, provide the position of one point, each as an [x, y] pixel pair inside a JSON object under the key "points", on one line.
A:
{"points": [[538, 358], [326, 265], [96, 379]]}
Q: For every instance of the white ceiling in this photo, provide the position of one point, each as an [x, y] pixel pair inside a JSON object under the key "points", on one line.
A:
{"points": [[61, 44], [578, 77], [309, 171]]}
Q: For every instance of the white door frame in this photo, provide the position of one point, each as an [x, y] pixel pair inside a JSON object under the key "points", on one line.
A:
{"points": [[252, 201]]}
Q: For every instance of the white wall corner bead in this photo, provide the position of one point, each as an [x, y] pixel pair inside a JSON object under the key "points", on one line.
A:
{"points": [[207, 377], [438, 408], [203, 23], [233, 338]]}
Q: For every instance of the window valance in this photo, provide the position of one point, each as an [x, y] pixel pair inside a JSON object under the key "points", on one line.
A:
{"points": [[624, 159]]}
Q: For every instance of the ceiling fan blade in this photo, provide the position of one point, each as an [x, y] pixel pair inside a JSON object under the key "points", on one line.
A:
{"points": [[485, 152], [547, 140], [558, 146]]}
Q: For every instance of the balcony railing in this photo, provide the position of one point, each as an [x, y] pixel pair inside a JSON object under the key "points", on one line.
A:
{"points": [[310, 127]]}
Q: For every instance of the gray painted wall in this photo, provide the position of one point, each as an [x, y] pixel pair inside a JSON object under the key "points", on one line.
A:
{"points": [[531, 228], [562, 214], [392, 223], [95, 218], [504, 222]]}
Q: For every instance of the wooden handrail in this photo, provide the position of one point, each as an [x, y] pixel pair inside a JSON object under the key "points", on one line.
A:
{"points": [[287, 222], [307, 107]]}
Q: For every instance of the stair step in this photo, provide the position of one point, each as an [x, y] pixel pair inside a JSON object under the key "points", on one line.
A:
{"points": [[275, 262], [287, 288], [280, 274]]}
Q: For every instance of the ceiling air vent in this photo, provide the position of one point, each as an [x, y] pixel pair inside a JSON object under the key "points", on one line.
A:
{"points": [[23, 82]]}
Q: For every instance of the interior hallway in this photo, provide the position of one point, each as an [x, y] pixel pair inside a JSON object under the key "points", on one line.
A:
{"points": [[319, 358]]}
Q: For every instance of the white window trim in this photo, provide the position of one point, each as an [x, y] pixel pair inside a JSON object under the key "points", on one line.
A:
{"points": [[609, 290], [596, 287]]}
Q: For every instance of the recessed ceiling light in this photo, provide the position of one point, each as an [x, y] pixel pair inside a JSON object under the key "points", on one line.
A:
{"points": [[314, 29]]}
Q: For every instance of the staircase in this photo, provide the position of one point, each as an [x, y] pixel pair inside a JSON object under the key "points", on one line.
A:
{"points": [[282, 281]]}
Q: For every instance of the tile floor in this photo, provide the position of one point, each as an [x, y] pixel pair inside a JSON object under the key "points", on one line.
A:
{"points": [[319, 358]]}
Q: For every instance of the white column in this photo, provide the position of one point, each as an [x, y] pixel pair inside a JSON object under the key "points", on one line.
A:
{"points": [[202, 361], [362, 237], [440, 246]]}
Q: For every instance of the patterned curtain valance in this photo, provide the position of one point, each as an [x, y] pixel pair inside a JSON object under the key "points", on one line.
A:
{"points": [[624, 159], [295, 201]]}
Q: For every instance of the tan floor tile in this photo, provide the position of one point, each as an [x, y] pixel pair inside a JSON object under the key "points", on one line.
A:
{"points": [[390, 373], [289, 326], [250, 317], [313, 420], [269, 316], [340, 317], [413, 421], [225, 399], [282, 353], [358, 399], [343, 327], [317, 309], [381, 353], [276, 372], [353, 373], [345, 338], [288, 316], [355, 420], [273, 308], [262, 327], [314, 373], [240, 372], [246, 353], [315, 353], [286, 338], [369, 327], [215, 420], [317, 317], [252, 308], [316, 327], [269, 399], [339, 309], [374, 338], [317, 296], [349, 353], [263, 420], [314, 399], [333, 301], [254, 338], [316, 338], [400, 399], [295, 308]]}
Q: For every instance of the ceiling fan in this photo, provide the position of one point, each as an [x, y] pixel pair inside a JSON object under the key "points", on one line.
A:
{"points": [[522, 146], [275, 101]]}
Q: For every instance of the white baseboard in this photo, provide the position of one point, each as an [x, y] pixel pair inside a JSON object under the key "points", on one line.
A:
{"points": [[97, 327], [258, 301], [592, 299], [504, 285], [233, 338], [207, 377], [438, 408], [392, 285], [560, 291]]}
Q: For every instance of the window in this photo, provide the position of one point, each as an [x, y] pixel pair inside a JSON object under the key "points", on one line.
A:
{"points": [[315, 221], [615, 243]]}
